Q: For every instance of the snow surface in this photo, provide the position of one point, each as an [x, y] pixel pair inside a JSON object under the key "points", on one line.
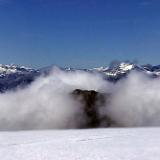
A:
{"points": [[96, 144]]}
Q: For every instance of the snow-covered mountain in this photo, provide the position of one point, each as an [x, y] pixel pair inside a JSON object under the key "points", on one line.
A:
{"points": [[12, 69], [117, 71], [12, 76], [121, 69]]}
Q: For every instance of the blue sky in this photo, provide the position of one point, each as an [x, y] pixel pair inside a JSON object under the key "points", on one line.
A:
{"points": [[79, 33]]}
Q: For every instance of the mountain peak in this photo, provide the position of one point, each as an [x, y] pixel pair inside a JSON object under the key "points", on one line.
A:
{"points": [[11, 69]]}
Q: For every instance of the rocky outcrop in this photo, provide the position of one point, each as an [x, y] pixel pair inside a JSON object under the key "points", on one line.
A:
{"points": [[93, 102]]}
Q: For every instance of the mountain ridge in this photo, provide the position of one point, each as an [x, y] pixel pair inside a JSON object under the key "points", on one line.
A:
{"points": [[12, 76]]}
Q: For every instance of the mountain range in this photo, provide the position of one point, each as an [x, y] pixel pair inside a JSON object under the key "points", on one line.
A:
{"points": [[13, 76]]}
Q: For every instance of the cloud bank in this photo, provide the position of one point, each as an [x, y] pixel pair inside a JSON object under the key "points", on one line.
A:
{"points": [[48, 104], [136, 101]]}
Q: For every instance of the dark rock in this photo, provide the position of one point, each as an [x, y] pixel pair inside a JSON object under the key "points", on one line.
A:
{"points": [[92, 101]]}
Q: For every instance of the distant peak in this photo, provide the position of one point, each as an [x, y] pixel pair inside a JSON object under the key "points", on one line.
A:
{"points": [[13, 68]]}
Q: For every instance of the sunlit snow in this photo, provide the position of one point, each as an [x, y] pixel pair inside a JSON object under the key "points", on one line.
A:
{"points": [[96, 144]]}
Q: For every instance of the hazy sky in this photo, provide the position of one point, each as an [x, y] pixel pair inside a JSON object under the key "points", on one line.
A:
{"points": [[79, 33]]}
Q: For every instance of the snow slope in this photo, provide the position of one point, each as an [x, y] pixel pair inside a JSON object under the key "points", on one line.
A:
{"points": [[96, 144]]}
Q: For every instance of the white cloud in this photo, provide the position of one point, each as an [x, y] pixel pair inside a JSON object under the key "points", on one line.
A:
{"points": [[47, 103], [136, 101]]}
